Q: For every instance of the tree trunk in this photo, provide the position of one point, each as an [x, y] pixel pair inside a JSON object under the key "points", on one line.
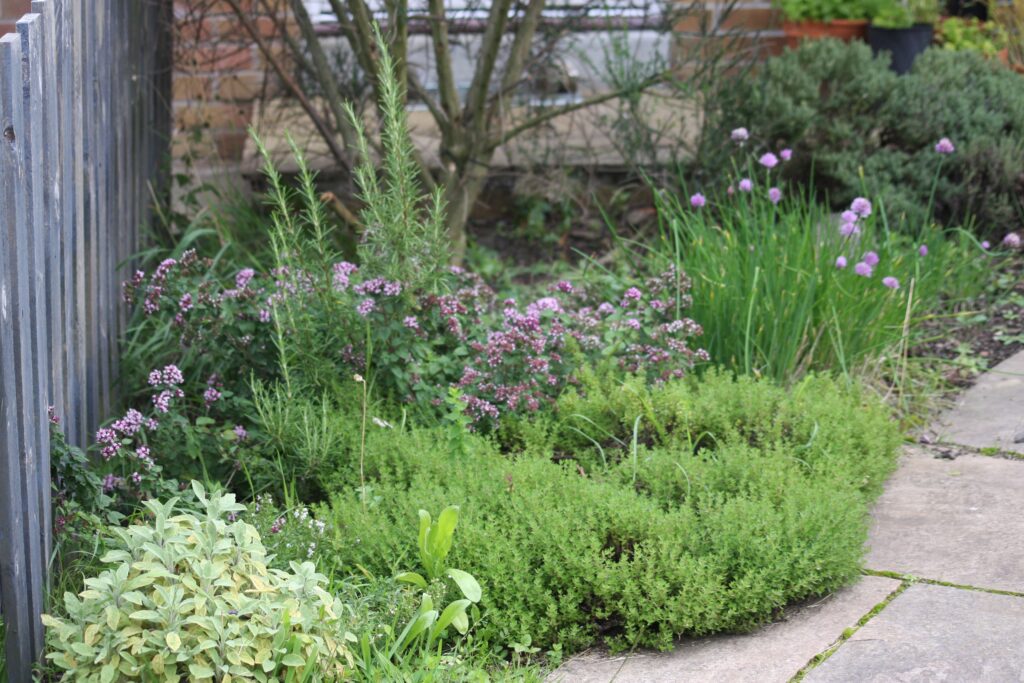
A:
{"points": [[461, 193]]}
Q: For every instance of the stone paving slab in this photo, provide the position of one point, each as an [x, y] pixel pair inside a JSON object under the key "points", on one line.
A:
{"points": [[933, 633], [991, 413], [773, 653], [960, 521]]}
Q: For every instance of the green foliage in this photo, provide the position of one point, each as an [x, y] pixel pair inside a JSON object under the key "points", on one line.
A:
{"points": [[713, 504], [771, 298], [191, 596], [904, 13], [858, 129], [826, 10], [970, 33], [402, 240]]}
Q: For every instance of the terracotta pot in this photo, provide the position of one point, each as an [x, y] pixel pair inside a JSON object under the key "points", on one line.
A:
{"points": [[845, 30], [1019, 68]]}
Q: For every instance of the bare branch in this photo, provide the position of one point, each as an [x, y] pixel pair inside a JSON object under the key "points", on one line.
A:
{"points": [[555, 112], [289, 82], [443, 60], [489, 48], [323, 73]]}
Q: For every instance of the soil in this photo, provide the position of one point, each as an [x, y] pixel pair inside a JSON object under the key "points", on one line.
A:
{"points": [[987, 331]]}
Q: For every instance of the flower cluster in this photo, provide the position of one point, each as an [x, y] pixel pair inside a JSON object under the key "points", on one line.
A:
{"points": [[288, 534], [521, 361], [502, 355]]}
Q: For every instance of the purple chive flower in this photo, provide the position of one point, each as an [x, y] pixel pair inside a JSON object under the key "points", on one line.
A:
{"points": [[891, 282], [922, 250], [365, 307], [849, 216], [861, 206], [740, 135], [945, 146], [697, 201], [841, 262], [730, 190], [746, 185], [786, 154], [240, 433], [768, 160], [986, 245], [1012, 241], [775, 195], [863, 269], [871, 258], [847, 229], [606, 308]]}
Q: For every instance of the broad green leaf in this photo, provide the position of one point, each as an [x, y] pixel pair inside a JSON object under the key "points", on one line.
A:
{"points": [[413, 578], [444, 530], [293, 660], [173, 641], [200, 671], [449, 614], [467, 584]]}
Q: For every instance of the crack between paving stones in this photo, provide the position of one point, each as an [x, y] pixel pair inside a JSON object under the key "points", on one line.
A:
{"points": [[943, 450], [819, 658], [910, 578]]}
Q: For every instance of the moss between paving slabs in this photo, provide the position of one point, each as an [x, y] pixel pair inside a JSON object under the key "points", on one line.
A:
{"points": [[639, 515]]}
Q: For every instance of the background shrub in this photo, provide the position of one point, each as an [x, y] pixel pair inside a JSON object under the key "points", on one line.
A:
{"points": [[842, 110]]}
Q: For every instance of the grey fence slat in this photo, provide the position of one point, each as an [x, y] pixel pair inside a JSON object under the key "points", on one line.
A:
{"points": [[64, 51], [83, 133], [48, 229], [90, 124], [13, 337], [37, 375]]}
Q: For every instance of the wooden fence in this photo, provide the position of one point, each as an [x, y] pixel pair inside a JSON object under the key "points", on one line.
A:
{"points": [[84, 124]]}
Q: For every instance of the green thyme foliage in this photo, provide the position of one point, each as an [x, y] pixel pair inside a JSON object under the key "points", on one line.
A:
{"points": [[689, 508]]}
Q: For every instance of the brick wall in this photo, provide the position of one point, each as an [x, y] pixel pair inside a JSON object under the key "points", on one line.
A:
{"points": [[219, 73], [751, 27], [10, 12]]}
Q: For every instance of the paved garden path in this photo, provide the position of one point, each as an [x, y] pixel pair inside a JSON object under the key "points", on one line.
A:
{"points": [[942, 598]]}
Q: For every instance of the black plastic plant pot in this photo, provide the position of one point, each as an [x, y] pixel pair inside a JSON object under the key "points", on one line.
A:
{"points": [[904, 44]]}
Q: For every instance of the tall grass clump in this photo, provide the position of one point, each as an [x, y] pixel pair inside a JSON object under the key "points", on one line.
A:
{"points": [[782, 286]]}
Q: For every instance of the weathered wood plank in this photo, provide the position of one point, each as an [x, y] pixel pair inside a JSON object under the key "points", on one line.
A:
{"points": [[36, 375], [47, 228], [18, 614]]}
